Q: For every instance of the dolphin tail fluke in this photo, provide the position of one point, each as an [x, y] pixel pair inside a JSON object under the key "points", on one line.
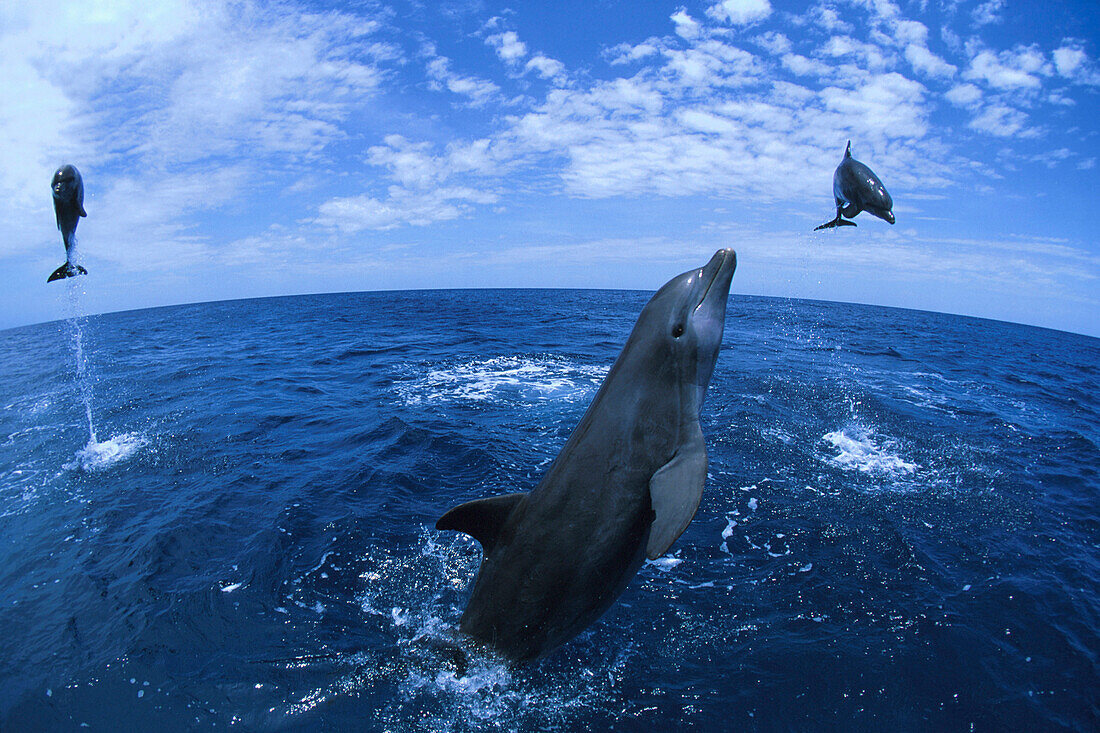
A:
{"points": [[66, 270], [837, 222]]}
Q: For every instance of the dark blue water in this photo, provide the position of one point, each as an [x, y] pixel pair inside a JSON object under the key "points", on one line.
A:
{"points": [[899, 530]]}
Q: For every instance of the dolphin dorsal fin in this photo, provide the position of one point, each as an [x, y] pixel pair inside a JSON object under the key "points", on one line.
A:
{"points": [[482, 519], [675, 491]]}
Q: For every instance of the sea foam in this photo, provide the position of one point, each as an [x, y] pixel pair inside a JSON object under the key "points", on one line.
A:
{"points": [[504, 379]]}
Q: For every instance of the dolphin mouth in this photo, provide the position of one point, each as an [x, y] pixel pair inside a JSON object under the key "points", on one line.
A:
{"points": [[720, 268]]}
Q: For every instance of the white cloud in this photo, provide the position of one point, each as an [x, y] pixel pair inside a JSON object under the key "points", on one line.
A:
{"points": [[925, 62], [964, 95], [873, 56], [546, 67], [401, 207], [686, 26], [827, 18], [712, 63], [1016, 69], [625, 53], [775, 43], [1000, 120], [885, 105], [803, 66], [740, 12], [414, 166], [1068, 59], [988, 12], [429, 187], [508, 46], [478, 91], [1073, 63]]}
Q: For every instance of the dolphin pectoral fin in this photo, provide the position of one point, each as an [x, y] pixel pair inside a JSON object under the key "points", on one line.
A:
{"points": [[481, 518], [675, 491]]}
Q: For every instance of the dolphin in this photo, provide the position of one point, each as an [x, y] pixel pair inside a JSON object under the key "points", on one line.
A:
{"points": [[68, 205], [856, 188], [624, 487]]}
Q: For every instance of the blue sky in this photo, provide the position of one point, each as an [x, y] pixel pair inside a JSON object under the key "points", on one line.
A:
{"points": [[236, 149]]}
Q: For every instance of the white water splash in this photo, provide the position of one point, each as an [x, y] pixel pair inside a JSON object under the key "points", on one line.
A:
{"points": [[97, 456], [858, 451]]}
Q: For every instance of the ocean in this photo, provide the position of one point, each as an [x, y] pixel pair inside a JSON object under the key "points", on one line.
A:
{"points": [[221, 516]]}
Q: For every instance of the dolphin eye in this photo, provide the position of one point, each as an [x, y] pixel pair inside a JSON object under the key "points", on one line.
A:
{"points": [[677, 331]]}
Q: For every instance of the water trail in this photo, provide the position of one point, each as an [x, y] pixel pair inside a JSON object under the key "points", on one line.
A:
{"points": [[76, 338]]}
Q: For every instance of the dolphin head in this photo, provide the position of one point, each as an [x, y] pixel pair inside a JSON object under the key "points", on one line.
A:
{"points": [[880, 204], [680, 329], [67, 183], [859, 184]]}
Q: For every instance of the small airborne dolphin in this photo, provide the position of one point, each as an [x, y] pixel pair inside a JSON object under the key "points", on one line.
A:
{"points": [[624, 487], [856, 188], [68, 205]]}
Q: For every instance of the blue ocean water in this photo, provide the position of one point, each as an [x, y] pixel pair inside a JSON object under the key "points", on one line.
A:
{"points": [[899, 529]]}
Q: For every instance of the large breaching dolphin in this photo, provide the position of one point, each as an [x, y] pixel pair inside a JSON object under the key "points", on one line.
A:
{"points": [[624, 487], [68, 205], [856, 188]]}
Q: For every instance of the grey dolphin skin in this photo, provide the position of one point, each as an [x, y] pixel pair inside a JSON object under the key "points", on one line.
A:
{"points": [[856, 188], [68, 205], [624, 487]]}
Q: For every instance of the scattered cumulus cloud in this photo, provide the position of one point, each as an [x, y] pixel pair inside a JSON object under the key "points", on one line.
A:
{"points": [[508, 46], [1068, 60], [964, 95], [927, 63], [428, 188], [1000, 120], [546, 67], [477, 91], [402, 207], [686, 26], [1015, 69], [988, 12], [740, 12]]}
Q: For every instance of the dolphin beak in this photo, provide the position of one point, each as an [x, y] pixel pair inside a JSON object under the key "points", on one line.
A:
{"points": [[889, 217], [718, 273]]}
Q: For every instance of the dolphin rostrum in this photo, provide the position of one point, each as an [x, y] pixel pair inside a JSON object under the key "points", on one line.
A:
{"points": [[68, 205], [856, 188], [624, 487]]}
